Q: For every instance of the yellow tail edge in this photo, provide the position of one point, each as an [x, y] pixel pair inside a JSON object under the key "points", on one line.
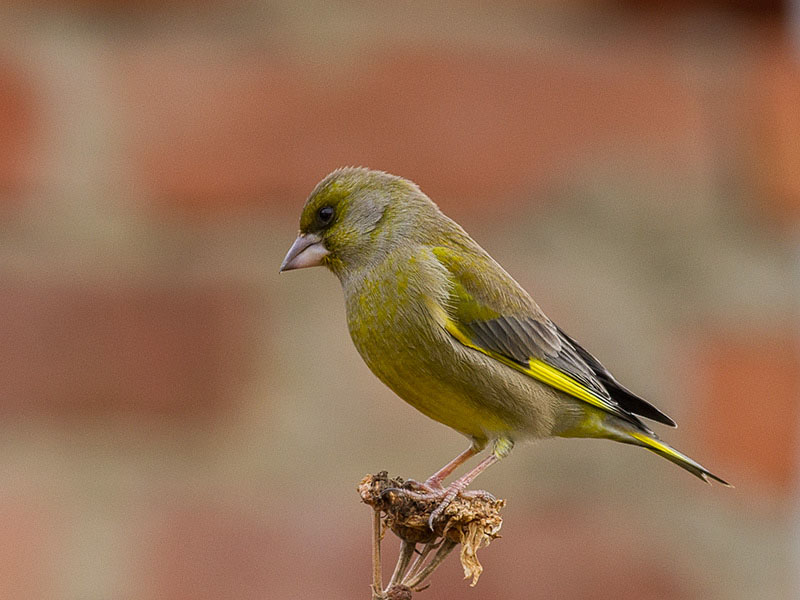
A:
{"points": [[655, 445]]}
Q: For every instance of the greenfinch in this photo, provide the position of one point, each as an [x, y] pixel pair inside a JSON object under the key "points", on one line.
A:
{"points": [[453, 334]]}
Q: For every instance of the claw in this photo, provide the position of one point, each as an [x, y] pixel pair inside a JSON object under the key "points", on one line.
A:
{"points": [[437, 512], [391, 490], [403, 491], [432, 519], [452, 491]]}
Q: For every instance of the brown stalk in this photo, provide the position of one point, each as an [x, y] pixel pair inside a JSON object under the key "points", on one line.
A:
{"points": [[472, 520]]}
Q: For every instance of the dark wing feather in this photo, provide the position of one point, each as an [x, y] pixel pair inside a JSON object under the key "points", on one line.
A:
{"points": [[524, 338], [624, 397]]}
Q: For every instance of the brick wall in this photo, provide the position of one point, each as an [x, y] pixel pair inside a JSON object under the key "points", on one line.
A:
{"points": [[180, 422]]}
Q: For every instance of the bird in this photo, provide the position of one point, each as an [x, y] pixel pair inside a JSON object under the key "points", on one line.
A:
{"points": [[449, 331]]}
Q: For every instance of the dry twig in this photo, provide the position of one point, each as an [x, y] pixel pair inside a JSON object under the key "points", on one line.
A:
{"points": [[472, 519]]}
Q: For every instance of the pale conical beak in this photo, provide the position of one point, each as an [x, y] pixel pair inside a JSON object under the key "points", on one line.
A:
{"points": [[307, 251]]}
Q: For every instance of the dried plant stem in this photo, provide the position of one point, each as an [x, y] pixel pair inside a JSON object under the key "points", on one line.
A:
{"points": [[377, 576], [418, 579], [470, 519], [407, 550], [420, 560]]}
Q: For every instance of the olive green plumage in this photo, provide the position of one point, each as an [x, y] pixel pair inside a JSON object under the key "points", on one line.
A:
{"points": [[449, 331]]}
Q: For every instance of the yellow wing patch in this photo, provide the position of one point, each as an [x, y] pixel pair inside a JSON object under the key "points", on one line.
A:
{"points": [[537, 369], [554, 378]]}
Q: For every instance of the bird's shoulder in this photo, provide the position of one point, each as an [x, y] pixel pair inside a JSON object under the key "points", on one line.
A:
{"points": [[481, 291], [496, 315]]}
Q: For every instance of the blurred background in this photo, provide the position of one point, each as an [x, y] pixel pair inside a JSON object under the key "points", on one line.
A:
{"points": [[181, 422]]}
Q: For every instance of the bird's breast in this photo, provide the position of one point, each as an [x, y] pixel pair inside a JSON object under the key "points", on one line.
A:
{"points": [[399, 338]]}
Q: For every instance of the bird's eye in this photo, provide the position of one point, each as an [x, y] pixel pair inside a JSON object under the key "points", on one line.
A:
{"points": [[325, 215]]}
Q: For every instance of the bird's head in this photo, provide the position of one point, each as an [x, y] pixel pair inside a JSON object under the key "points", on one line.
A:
{"points": [[354, 217]]}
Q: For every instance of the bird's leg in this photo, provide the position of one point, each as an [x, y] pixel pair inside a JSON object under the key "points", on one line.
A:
{"points": [[435, 480], [502, 447], [432, 486], [459, 485]]}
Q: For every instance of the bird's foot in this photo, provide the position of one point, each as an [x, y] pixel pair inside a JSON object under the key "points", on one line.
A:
{"points": [[454, 489], [426, 491], [435, 493]]}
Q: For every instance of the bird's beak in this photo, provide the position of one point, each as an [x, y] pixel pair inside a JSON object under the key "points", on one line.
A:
{"points": [[307, 251]]}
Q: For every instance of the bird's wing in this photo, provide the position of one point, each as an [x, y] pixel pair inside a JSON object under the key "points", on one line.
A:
{"points": [[489, 312]]}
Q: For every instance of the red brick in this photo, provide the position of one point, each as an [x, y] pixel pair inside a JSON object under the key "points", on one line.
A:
{"points": [[571, 553], [27, 550], [777, 122], [18, 125], [99, 349], [204, 553], [213, 551], [218, 129], [747, 387]]}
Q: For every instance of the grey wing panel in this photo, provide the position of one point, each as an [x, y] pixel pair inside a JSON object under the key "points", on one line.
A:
{"points": [[522, 339]]}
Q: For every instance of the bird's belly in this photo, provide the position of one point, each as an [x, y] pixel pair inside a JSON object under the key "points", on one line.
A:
{"points": [[446, 381], [445, 402]]}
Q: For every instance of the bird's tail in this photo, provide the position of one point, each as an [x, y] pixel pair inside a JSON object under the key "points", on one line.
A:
{"points": [[652, 443], [599, 424]]}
